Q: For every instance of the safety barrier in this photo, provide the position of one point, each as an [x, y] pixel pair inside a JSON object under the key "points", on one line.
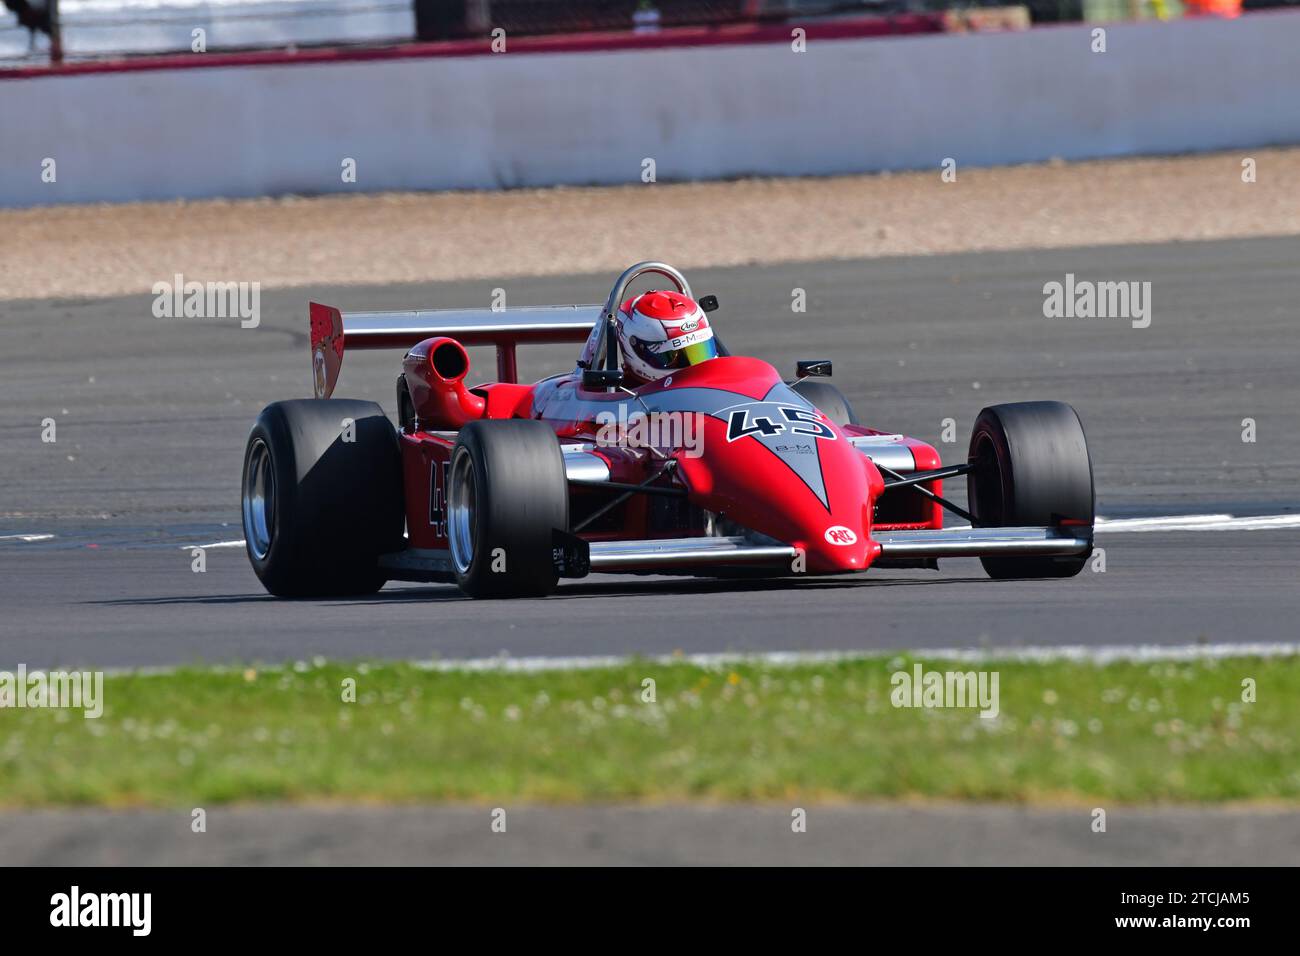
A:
{"points": [[710, 108]]}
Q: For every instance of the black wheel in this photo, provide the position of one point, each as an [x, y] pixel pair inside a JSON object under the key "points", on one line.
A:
{"points": [[1032, 468], [828, 399], [318, 508], [507, 493]]}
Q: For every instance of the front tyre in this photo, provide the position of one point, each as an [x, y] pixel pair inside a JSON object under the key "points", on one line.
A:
{"points": [[1032, 468], [507, 494], [322, 497]]}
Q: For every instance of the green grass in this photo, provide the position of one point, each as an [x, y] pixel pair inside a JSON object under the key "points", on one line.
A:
{"points": [[1067, 731]]}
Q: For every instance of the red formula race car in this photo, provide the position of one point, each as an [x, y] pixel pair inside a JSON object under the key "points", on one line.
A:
{"points": [[714, 466]]}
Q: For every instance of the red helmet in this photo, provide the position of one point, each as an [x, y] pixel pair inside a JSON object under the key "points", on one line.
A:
{"points": [[662, 332]]}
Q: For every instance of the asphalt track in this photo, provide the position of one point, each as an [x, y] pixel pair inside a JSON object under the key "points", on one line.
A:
{"points": [[709, 835], [152, 414]]}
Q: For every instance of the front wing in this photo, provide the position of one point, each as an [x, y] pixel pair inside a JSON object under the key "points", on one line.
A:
{"points": [[576, 558]]}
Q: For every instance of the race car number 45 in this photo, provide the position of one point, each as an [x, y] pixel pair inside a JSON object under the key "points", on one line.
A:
{"points": [[758, 420]]}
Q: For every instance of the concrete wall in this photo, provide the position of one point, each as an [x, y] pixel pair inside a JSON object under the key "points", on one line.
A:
{"points": [[538, 119]]}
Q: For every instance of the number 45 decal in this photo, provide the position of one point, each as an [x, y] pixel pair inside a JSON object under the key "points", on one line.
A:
{"points": [[798, 421]]}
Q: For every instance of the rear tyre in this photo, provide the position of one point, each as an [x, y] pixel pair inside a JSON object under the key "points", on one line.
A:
{"points": [[318, 509], [827, 398], [1032, 468], [507, 493]]}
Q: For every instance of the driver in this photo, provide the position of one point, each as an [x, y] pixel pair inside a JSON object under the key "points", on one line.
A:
{"points": [[663, 332]]}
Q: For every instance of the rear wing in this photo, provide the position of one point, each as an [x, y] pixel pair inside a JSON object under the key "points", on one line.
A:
{"points": [[332, 330]]}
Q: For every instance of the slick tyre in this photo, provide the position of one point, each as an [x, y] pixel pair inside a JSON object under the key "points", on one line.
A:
{"points": [[1032, 468], [507, 494], [322, 497], [827, 398]]}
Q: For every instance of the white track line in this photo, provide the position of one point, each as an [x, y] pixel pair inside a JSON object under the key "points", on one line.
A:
{"points": [[1169, 521], [1198, 523], [1079, 653], [1104, 654], [26, 537]]}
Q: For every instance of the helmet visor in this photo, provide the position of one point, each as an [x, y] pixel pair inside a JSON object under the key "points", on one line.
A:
{"points": [[684, 357]]}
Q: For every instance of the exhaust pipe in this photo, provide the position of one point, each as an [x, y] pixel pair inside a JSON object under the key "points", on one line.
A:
{"points": [[435, 371]]}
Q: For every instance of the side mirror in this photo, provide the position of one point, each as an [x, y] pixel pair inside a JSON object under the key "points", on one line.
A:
{"points": [[813, 368], [709, 303], [602, 377]]}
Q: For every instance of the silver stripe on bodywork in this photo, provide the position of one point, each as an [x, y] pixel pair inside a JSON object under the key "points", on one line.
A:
{"points": [[886, 451], [581, 465]]}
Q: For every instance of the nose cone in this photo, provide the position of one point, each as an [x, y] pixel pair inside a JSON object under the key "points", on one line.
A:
{"points": [[813, 493], [842, 548], [780, 468], [768, 460]]}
